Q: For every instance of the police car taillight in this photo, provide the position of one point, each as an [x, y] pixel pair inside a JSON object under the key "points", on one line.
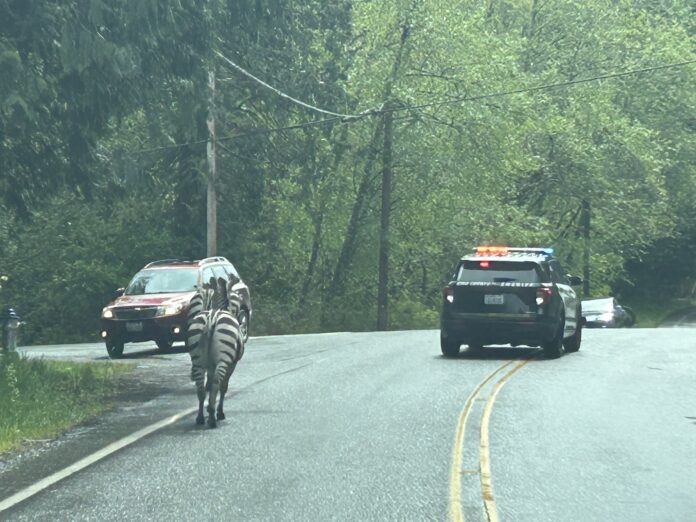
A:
{"points": [[543, 295], [448, 294]]}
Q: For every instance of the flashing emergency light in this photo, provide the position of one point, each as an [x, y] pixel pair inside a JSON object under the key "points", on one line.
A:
{"points": [[491, 250], [502, 251]]}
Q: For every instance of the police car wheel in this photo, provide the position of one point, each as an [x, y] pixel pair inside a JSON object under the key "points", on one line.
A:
{"points": [[572, 344], [449, 347], [553, 349]]}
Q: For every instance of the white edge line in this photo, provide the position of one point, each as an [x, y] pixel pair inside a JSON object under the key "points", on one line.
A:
{"points": [[89, 460], [81, 464]]}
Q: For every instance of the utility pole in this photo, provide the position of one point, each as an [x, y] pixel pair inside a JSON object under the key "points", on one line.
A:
{"points": [[585, 220], [387, 165], [382, 292], [211, 211]]}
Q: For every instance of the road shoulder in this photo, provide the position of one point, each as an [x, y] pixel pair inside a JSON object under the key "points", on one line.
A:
{"points": [[144, 396]]}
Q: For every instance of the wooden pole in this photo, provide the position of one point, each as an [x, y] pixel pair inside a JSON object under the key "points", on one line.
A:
{"points": [[211, 212], [382, 292]]}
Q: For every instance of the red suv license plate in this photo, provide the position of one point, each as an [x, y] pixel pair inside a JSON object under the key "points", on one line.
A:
{"points": [[134, 326]]}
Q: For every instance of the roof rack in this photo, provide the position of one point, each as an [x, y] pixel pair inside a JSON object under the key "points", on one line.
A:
{"points": [[216, 259], [199, 262], [166, 262]]}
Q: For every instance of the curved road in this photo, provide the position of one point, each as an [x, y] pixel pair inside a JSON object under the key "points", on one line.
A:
{"points": [[379, 426]]}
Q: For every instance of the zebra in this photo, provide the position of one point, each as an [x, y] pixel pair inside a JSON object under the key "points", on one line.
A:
{"points": [[215, 346], [234, 306]]}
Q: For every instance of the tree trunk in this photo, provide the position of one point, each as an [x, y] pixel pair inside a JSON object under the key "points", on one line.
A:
{"points": [[348, 248], [585, 219], [350, 239], [311, 266], [318, 217], [533, 13]]}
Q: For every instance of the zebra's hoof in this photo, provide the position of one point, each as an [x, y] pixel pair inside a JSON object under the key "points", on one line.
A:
{"points": [[200, 420], [220, 415], [211, 422]]}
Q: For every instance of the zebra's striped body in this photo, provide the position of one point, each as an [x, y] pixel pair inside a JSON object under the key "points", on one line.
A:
{"points": [[196, 306], [215, 346], [234, 305], [234, 301]]}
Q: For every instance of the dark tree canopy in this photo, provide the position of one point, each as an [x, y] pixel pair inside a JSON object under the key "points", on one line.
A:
{"points": [[103, 108]]}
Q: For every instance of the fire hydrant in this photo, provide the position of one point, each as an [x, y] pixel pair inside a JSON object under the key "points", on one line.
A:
{"points": [[10, 322]]}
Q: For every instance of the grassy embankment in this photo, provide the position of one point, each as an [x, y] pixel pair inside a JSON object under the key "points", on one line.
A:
{"points": [[651, 313], [40, 399]]}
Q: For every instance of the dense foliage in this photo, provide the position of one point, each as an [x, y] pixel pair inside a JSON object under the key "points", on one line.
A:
{"points": [[103, 109]]}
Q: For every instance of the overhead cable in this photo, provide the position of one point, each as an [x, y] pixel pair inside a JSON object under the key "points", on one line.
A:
{"points": [[272, 130], [283, 95], [531, 89], [343, 118]]}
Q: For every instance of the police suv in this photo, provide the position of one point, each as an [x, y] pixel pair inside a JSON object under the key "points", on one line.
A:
{"points": [[517, 296]]}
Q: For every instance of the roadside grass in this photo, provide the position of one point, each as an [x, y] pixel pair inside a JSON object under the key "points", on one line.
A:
{"points": [[39, 399], [651, 313]]}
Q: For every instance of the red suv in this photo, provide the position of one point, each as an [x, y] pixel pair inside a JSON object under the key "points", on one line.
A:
{"points": [[154, 305]]}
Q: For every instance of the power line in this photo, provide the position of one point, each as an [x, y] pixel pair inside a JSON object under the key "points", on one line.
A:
{"points": [[250, 132], [342, 118], [273, 130], [377, 112], [172, 146], [533, 89], [281, 93]]}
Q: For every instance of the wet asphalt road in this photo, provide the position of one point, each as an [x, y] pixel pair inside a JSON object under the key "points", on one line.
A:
{"points": [[362, 427]]}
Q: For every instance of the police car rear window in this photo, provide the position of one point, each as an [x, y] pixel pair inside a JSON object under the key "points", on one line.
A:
{"points": [[498, 272]]}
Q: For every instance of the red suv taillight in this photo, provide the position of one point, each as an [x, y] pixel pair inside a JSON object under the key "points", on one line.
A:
{"points": [[448, 294], [543, 296]]}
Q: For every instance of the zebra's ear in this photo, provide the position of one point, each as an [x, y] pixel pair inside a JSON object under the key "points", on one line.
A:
{"points": [[207, 298], [235, 301]]}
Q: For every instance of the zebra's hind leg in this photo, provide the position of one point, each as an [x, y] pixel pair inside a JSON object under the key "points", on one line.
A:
{"points": [[212, 423], [200, 418], [223, 390], [221, 401], [199, 377]]}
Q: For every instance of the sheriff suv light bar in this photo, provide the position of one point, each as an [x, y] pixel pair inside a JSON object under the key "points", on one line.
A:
{"points": [[502, 251]]}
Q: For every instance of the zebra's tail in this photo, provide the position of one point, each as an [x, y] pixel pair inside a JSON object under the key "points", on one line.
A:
{"points": [[225, 344]]}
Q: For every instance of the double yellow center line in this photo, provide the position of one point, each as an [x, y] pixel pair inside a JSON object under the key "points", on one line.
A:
{"points": [[455, 504]]}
